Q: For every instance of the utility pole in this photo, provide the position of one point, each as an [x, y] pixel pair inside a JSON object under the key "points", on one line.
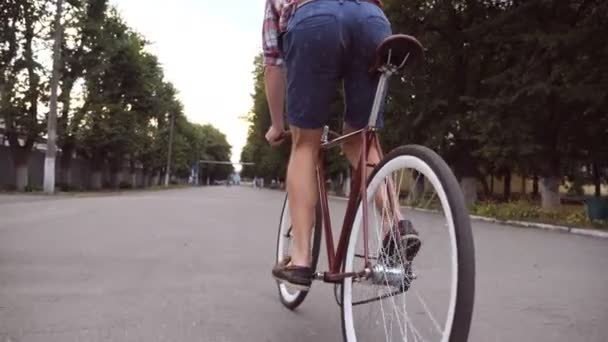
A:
{"points": [[51, 143], [168, 169]]}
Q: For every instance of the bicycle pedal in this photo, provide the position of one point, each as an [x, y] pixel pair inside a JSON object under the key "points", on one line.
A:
{"points": [[318, 276]]}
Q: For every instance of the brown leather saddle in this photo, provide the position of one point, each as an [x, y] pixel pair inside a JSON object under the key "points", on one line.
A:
{"points": [[398, 51]]}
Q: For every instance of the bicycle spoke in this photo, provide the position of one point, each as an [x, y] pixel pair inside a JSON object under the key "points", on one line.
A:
{"points": [[416, 332], [403, 330], [430, 200], [426, 308], [393, 237], [398, 188], [377, 298], [384, 321]]}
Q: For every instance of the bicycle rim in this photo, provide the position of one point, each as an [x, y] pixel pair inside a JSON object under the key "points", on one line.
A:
{"points": [[422, 299]]}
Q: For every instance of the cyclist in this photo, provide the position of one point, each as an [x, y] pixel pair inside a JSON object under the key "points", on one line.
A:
{"points": [[309, 46]]}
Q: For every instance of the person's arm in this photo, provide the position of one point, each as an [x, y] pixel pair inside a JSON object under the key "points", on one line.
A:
{"points": [[274, 78]]}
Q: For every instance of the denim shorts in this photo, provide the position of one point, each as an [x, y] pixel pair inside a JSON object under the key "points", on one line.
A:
{"points": [[328, 41]]}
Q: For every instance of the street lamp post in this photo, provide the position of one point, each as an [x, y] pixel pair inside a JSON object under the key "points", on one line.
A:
{"points": [[170, 148], [51, 141]]}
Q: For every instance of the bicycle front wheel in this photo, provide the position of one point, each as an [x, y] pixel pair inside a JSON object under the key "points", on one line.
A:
{"points": [[422, 296]]}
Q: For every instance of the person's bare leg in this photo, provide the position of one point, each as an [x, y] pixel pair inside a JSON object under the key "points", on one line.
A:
{"points": [[302, 191], [352, 150]]}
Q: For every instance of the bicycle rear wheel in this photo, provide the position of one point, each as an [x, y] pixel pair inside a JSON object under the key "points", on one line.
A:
{"points": [[292, 298], [429, 297]]}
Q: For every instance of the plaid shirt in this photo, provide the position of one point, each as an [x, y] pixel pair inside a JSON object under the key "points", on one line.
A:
{"points": [[276, 16]]}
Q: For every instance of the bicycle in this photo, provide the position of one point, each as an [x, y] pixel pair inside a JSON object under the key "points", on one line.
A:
{"points": [[360, 261]]}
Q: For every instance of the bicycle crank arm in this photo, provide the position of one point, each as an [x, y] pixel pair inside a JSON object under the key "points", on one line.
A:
{"points": [[337, 278]]}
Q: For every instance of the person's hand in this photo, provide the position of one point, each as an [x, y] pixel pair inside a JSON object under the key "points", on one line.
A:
{"points": [[275, 136]]}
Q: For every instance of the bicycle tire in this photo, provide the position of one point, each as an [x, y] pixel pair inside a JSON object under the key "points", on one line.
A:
{"points": [[465, 282]]}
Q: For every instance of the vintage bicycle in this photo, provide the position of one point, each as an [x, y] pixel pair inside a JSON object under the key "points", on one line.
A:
{"points": [[388, 296]]}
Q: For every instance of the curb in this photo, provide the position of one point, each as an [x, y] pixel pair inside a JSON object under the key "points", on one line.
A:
{"points": [[543, 226]]}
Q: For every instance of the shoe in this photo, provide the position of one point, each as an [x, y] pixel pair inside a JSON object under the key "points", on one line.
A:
{"points": [[296, 277], [407, 238]]}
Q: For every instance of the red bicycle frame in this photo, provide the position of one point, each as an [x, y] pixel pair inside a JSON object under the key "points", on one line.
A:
{"points": [[336, 257]]}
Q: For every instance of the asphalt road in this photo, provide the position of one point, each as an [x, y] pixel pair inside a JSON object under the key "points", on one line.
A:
{"points": [[194, 265]]}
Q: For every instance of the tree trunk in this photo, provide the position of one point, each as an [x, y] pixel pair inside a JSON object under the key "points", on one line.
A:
{"points": [[155, 178], [549, 191], [133, 173], [145, 177], [115, 179], [96, 180], [20, 160], [507, 184], [535, 187], [469, 189], [482, 179], [65, 164], [597, 180], [66, 175], [347, 182], [523, 186], [116, 173], [417, 185], [97, 170], [21, 176]]}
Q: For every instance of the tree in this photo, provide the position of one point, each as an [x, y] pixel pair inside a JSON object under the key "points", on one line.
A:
{"points": [[507, 86], [269, 162], [551, 88], [24, 24], [83, 21], [116, 87]]}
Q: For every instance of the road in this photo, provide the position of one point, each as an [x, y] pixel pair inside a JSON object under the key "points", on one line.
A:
{"points": [[194, 265]]}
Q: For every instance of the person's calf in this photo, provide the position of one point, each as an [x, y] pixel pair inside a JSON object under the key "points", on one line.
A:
{"points": [[302, 191]]}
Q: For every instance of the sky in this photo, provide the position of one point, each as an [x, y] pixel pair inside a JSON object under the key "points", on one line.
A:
{"points": [[207, 52]]}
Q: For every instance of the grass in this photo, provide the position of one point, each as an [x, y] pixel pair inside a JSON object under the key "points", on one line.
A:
{"points": [[569, 215]]}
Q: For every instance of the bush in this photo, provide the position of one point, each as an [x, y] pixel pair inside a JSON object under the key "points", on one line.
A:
{"points": [[31, 188], [10, 188], [578, 218], [67, 187], [518, 210], [125, 185]]}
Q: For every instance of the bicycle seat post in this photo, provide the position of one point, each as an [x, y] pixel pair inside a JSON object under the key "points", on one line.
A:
{"points": [[325, 135], [380, 96]]}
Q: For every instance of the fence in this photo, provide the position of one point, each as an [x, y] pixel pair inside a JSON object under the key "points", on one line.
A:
{"points": [[80, 173]]}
